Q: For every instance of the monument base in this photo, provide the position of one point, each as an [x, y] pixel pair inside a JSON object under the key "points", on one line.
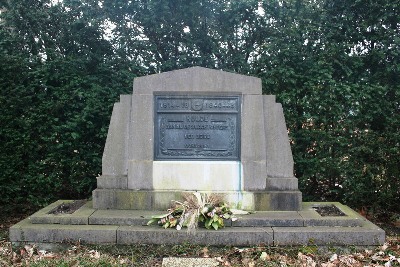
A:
{"points": [[94, 226], [125, 199]]}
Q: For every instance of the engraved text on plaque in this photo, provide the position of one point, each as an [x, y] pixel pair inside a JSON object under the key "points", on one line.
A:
{"points": [[197, 127]]}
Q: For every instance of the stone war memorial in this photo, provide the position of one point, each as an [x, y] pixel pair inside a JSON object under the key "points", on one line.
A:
{"points": [[198, 130]]}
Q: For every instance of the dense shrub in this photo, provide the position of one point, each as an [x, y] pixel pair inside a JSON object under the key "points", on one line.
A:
{"points": [[334, 65]]}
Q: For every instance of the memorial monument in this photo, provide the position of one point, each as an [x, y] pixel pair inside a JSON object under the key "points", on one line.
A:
{"points": [[201, 130], [197, 129]]}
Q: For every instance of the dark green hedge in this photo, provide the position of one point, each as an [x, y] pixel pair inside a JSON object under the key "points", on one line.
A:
{"points": [[334, 65]]}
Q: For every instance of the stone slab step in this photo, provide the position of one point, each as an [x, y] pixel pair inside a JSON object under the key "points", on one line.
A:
{"points": [[366, 235], [302, 227], [305, 217]]}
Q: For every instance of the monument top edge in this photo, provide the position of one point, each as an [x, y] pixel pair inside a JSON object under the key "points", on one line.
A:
{"points": [[197, 79]]}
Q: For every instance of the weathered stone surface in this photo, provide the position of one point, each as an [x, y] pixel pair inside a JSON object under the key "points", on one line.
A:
{"points": [[269, 218], [108, 181], [197, 79], [114, 160], [141, 139], [123, 217], [222, 237], [121, 199], [282, 184], [359, 236], [278, 200], [312, 218], [80, 216], [161, 199], [279, 154], [25, 231], [140, 174], [267, 227], [252, 157]]}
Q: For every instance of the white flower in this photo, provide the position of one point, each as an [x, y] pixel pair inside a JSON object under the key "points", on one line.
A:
{"points": [[204, 210]]}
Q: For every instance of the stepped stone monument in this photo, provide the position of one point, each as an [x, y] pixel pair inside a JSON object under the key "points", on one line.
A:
{"points": [[197, 129], [202, 130]]}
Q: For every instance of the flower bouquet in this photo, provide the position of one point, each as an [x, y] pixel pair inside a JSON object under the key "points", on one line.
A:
{"points": [[196, 207]]}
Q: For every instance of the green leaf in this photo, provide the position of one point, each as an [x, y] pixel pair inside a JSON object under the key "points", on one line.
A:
{"points": [[215, 225], [152, 221], [208, 223], [215, 218], [166, 225]]}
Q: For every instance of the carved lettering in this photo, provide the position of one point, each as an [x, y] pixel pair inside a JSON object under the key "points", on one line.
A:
{"points": [[197, 118]]}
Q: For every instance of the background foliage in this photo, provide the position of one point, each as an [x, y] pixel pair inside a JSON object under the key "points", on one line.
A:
{"points": [[334, 65]]}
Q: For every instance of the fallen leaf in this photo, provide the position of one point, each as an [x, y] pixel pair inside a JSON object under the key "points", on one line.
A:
{"points": [[205, 252], [348, 261], [219, 259], [15, 258], [94, 254], [329, 264], [49, 256], [368, 252], [264, 256], [29, 250]]}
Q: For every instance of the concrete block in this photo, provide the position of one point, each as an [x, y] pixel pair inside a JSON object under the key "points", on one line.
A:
{"points": [[279, 154], [115, 150], [269, 218], [369, 235], [140, 174], [141, 140], [252, 129], [197, 79], [25, 231], [80, 216], [108, 181], [122, 199], [254, 175], [285, 200], [278, 200], [282, 184], [253, 139], [242, 236]]}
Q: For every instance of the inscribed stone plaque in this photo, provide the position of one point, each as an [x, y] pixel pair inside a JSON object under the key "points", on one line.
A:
{"points": [[197, 127]]}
